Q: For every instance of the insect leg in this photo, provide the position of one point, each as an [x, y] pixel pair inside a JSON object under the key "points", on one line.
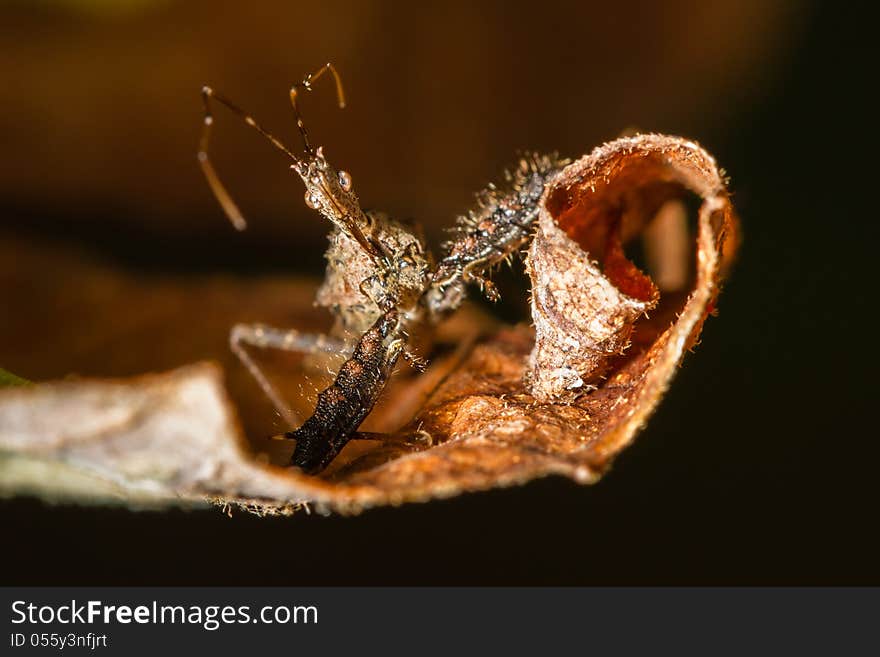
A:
{"points": [[267, 337], [229, 206], [349, 399], [487, 287]]}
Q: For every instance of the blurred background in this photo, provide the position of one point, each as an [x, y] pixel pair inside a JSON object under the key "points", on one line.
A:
{"points": [[115, 259]]}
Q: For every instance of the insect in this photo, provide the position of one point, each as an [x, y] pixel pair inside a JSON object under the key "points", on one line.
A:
{"points": [[382, 282]]}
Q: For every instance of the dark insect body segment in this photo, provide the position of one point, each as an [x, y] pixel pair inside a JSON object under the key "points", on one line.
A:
{"points": [[380, 277], [344, 405], [500, 225]]}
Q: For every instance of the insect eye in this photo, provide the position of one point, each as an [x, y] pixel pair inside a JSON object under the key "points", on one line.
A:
{"points": [[311, 200], [345, 180]]}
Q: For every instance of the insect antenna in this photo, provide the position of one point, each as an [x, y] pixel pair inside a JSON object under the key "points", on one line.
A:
{"points": [[350, 225], [229, 206], [306, 84]]}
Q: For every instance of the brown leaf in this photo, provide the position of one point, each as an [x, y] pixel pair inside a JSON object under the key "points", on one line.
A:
{"points": [[511, 408]]}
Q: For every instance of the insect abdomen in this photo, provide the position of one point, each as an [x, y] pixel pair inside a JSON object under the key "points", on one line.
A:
{"points": [[343, 406], [502, 223]]}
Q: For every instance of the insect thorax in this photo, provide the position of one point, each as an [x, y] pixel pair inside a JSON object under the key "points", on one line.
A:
{"points": [[354, 285]]}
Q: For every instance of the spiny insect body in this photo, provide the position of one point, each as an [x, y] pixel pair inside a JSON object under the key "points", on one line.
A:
{"points": [[381, 283]]}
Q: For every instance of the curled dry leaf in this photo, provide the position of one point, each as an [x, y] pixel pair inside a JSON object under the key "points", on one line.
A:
{"points": [[563, 398]]}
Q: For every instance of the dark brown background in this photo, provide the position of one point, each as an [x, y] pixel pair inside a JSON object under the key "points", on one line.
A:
{"points": [[757, 468]]}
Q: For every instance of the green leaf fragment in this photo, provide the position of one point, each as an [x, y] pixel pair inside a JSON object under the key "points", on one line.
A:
{"points": [[9, 379]]}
